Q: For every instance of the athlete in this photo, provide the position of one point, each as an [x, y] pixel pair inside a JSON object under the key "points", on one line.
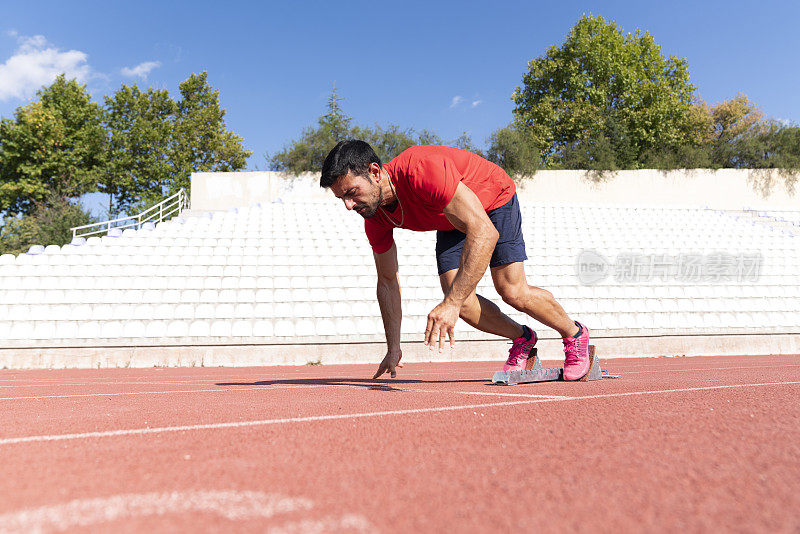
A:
{"points": [[472, 204]]}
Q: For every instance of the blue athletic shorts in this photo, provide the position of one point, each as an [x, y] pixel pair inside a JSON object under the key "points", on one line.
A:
{"points": [[510, 246]]}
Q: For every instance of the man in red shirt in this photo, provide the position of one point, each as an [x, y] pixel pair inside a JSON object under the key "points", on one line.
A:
{"points": [[472, 204]]}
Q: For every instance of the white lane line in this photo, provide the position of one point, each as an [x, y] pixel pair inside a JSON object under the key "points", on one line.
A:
{"points": [[158, 392], [651, 364], [680, 390], [489, 393], [332, 373], [624, 394], [351, 523], [246, 380], [476, 375], [343, 381], [131, 393], [273, 376], [232, 505], [265, 422], [376, 386], [667, 371], [287, 386], [108, 383]]}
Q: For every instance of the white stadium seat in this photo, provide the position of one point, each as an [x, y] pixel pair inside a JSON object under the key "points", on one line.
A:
{"points": [[305, 328], [263, 328], [255, 271], [178, 328], [156, 328], [284, 328]]}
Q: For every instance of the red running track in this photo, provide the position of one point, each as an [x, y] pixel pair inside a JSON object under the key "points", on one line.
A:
{"points": [[678, 444]]}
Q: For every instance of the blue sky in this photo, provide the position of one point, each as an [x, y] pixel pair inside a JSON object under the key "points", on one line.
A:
{"points": [[446, 66]]}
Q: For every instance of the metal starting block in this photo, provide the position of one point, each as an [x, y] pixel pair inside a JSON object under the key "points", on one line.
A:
{"points": [[534, 372]]}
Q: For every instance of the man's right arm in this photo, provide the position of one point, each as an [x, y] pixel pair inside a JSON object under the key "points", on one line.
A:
{"points": [[389, 296], [389, 301]]}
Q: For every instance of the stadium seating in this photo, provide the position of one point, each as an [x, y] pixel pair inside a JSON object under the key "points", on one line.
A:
{"points": [[303, 271]]}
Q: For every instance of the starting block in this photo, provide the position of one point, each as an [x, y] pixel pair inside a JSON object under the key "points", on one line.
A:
{"points": [[534, 372]]}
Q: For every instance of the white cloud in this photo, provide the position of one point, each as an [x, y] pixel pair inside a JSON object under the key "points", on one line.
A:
{"points": [[458, 100], [36, 63], [141, 70]]}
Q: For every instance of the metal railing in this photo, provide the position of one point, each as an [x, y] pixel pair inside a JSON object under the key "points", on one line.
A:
{"points": [[173, 205]]}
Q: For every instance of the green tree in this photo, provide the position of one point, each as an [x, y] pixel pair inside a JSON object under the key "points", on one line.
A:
{"points": [[139, 128], [141, 146], [200, 141], [308, 153], [428, 137], [731, 122], [678, 157], [513, 150], [25, 145], [387, 142], [774, 146], [49, 223], [55, 144], [464, 142], [600, 84]]}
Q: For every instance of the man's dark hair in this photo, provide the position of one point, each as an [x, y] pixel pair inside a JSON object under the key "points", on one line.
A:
{"points": [[351, 155]]}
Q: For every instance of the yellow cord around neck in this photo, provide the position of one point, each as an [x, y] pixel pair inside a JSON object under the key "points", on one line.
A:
{"points": [[402, 214]]}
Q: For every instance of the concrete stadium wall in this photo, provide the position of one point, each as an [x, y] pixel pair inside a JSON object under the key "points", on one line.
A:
{"points": [[217, 191], [722, 189], [139, 354]]}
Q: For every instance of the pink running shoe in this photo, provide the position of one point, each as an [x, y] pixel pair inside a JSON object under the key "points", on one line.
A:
{"points": [[576, 352], [520, 349]]}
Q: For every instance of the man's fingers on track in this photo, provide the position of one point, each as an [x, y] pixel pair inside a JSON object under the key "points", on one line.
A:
{"points": [[429, 333], [381, 370]]}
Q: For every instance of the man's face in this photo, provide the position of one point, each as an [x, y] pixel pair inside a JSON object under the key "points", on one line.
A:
{"points": [[359, 193]]}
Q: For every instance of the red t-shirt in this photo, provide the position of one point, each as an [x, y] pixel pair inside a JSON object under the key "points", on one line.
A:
{"points": [[425, 180]]}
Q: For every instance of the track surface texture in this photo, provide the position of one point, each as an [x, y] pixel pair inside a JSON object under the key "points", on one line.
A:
{"points": [[675, 444]]}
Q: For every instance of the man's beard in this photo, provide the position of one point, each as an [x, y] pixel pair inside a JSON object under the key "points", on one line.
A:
{"points": [[370, 211]]}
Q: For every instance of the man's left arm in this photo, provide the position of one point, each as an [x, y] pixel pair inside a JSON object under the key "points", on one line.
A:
{"points": [[466, 213]]}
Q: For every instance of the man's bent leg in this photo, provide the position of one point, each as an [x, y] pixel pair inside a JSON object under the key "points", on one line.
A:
{"points": [[511, 284], [481, 313]]}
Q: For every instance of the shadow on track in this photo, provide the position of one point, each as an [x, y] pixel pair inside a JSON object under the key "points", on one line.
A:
{"points": [[378, 384]]}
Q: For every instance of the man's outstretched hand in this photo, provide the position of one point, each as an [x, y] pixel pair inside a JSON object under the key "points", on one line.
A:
{"points": [[389, 363], [441, 322]]}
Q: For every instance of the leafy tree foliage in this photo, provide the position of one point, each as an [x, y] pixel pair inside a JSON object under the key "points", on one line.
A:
{"points": [[775, 146], [55, 144], [464, 142], [48, 223], [137, 148], [24, 146], [514, 151], [200, 140], [731, 122], [139, 125], [600, 89], [605, 101], [308, 153]]}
